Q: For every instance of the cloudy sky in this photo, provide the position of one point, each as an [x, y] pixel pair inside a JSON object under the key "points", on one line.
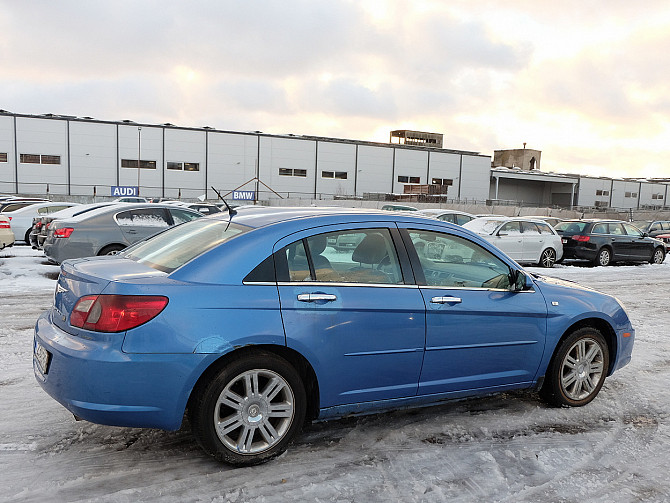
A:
{"points": [[585, 82]]}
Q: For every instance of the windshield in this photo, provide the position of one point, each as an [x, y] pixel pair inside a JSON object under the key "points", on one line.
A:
{"points": [[175, 247], [482, 225]]}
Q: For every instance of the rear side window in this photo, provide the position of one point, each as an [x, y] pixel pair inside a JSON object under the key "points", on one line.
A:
{"points": [[449, 217], [143, 217], [599, 229], [175, 247], [529, 228], [349, 256], [462, 219]]}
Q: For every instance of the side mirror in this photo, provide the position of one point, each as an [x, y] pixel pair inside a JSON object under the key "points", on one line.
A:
{"points": [[518, 280], [645, 234]]}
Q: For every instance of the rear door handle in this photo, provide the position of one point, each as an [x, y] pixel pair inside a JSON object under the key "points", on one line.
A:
{"points": [[446, 300], [313, 297]]}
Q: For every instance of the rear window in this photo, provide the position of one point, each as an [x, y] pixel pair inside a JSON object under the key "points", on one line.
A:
{"points": [[571, 227], [175, 247]]}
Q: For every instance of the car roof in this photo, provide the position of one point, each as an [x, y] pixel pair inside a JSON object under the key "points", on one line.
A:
{"points": [[117, 206]]}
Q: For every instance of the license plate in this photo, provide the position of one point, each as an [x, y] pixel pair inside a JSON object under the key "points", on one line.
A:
{"points": [[42, 358], [563, 240]]}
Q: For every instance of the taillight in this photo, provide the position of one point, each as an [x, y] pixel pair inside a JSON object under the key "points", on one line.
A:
{"points": [[5, 225], [580, 238], [38, 225], [115, 313], [63, 233]]}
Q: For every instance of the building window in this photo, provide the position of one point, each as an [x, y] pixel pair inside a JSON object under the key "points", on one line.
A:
{"points": [[409, 179], [657, 196], [602, 192], [442, 181], [631, 194], [340, 175], [38, 159], [292, 172], [3, 156], [186, 166], [132, 163], [601, 203]]}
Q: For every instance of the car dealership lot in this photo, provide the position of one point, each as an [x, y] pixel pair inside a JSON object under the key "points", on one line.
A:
{"points": [[502, 448]]}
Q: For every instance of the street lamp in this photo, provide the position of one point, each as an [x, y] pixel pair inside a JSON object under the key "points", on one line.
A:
{"points": [[139, 156]]}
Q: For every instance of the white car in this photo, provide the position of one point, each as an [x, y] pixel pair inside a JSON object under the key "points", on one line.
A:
{"points": [[530, 241], [22, 219], [6, 234], [453, 216]]}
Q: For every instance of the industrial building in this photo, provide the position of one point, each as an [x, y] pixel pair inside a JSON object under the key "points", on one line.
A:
{"points": [[82, 156]]}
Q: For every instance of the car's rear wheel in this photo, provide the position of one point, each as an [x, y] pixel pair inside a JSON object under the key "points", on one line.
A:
{"points": [[578, 369], [604, 257], [250, 411], [658, 257], [111, 250], [548, 258]]}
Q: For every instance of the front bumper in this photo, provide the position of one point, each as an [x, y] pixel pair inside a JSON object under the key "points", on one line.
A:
{"points": [[98, 382]]}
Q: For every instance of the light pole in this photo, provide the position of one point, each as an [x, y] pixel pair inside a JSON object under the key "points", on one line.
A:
{"points": [[139, 156]]}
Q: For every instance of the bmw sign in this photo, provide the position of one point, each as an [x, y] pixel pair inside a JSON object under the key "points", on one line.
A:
{"points": [[244, 195]]}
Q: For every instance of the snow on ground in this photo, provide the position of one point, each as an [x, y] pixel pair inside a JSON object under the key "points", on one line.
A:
{"points": [[506, 448]]}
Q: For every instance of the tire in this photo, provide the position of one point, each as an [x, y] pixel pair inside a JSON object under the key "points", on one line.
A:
{"points": [[250, 411], [548, 258], [658, 257], [111, 250], [604, 257], [578, 369], [27, 237]]}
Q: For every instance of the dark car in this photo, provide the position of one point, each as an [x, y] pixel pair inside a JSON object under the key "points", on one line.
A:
{"points": [[655, 228], [604, 242]]}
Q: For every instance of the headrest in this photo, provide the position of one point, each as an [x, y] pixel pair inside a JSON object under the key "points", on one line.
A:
{"points": [[371, 250]]}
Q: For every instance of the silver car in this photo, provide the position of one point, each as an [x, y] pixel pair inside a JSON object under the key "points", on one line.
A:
{"points": [[107, 230]]}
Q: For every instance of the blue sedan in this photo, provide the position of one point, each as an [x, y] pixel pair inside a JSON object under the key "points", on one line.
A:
{"points": [[256, 322]]}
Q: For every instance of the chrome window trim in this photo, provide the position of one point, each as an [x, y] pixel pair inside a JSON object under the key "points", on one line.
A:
{"points": [[326, 283], [475, 289]]}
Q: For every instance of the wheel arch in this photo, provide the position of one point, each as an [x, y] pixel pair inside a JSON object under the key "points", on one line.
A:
{"points": [[298, 361], [119, 246], [603, 327]]}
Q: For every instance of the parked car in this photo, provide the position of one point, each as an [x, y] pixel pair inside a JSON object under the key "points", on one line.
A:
{"points": [[398, 207], [6, 234], [204, 208], [22, 218], [107, 230], [453, 216], [252, 324], [605, 242], [131, 199], [525, 240], [16, 203], [655, 228], [553, 221], [40, 228]]}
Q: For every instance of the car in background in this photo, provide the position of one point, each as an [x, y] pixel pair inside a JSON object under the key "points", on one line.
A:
{"points": [[6, 234], [130, 199], [605, 242], [398, 207], [528, 241], [22, 218], [655, 228], [254, 326], [553, 221], [452, 216], [204, 208], [15, 203], [40, 228], [107, 230]]}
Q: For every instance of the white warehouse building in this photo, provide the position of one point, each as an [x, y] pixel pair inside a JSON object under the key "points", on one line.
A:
{"points": [[82, 156]]}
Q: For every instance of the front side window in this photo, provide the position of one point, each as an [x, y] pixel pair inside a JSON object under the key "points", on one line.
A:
{"points": [[454, 262], [180, 216], [631, 230], [348, 256], [616, 229], [544, 228], [510, 228]]}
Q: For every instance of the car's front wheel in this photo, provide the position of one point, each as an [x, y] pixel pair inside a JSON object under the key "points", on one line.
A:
{"points": [[548, 258], [658, 257], [578, 369], [250, 411]]}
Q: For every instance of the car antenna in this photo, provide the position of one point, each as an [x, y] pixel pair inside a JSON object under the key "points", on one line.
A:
{"points": [[231, 211]]}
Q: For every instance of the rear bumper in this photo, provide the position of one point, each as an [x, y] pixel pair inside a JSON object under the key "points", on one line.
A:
{"points": [[580, 253], [98, 382]]}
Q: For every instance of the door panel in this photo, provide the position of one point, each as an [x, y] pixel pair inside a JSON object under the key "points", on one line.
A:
{"points": [[479, 333], [348, 310]]}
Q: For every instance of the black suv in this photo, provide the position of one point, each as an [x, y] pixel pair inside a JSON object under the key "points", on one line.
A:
{"points": [[604, 242]]}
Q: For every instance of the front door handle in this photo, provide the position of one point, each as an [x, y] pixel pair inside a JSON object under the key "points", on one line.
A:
{"points": [[313, 297], [446, 300]]}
